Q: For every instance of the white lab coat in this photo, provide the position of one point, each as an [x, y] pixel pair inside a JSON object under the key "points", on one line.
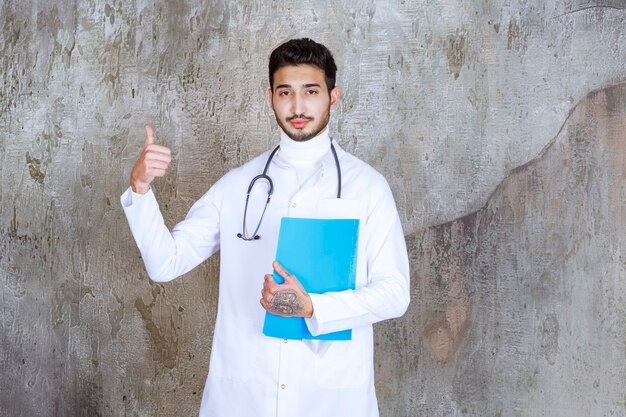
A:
{"points": [[254, 375]]}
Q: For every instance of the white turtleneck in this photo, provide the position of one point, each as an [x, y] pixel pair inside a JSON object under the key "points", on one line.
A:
{"points": [[305, 157]]}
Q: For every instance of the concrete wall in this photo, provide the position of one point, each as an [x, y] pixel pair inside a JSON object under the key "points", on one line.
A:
{"points": [[520, 307], [509, 177]]}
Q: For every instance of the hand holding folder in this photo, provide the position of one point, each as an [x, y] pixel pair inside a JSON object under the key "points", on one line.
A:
{"points": [[322, 254], [285, 299]]}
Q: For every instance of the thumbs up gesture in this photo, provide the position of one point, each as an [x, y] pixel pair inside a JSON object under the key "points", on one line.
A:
{"points": [[153, 162]]}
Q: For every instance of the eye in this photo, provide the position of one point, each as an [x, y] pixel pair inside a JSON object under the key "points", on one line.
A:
{"points": [[311, 91], [283, 93]]}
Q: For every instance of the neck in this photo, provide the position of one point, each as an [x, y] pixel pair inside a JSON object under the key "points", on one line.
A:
{"points": [[311, 151]]}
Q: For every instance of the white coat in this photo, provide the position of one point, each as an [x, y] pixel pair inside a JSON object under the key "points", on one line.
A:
{"points": [[251, 374]]}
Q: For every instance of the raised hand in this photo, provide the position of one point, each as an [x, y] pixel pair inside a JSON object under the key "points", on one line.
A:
{"points": [[288, 299], [153, 162]]}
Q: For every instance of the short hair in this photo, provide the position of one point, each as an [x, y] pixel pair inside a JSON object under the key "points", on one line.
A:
{"points": [[303, 51]]}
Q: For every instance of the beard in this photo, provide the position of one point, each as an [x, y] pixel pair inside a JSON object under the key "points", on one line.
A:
{"points": [[302, 135]]}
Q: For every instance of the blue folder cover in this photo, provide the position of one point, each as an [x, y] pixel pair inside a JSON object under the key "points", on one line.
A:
{"points": [[322, 254]]}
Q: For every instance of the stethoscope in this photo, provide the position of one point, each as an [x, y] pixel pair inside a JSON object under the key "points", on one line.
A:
{"points": [[270, 190]]}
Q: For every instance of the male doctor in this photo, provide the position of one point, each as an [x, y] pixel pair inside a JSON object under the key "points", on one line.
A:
{"points": [[251, 374]]}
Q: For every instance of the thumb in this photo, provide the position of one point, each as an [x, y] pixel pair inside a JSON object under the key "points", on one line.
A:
{"points": [[283, 272], [149, 135]]}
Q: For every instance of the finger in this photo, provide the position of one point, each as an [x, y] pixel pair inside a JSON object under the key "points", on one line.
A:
{"points": [[282, 271], [152, 154], [156, 172], [151, 160], [149, 135], [158, 148], [269, 280], [156, 163]]}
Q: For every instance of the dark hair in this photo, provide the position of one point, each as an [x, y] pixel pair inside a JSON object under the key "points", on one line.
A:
{"points": [[303, 51]]}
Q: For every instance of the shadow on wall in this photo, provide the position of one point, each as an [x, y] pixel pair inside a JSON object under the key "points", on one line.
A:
{"points": [[521, 305]]}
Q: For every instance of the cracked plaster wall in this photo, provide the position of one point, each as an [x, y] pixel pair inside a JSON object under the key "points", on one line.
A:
{"points": [[514, 219]]}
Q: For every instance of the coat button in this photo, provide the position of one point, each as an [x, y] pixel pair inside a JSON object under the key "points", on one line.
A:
{"points": [[283, 386]]}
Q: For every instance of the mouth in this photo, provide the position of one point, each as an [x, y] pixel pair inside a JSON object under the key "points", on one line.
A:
{"points": [[299, 122]]}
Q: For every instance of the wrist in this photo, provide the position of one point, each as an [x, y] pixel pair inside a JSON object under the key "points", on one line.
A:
{"points": [[308, 312], [140, 188]]}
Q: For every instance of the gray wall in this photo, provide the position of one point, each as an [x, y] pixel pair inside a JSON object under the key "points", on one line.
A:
{"points": [[500, 127]]}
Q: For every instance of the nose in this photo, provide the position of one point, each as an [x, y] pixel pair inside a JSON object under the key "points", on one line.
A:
{"points": [[298, 106]]}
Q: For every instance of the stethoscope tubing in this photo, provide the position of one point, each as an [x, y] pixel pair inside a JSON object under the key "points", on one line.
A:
{"points": [[264, 176]]}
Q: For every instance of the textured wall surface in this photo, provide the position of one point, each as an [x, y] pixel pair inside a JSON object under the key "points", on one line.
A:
{"points": [[509, 177], [520, 307]]}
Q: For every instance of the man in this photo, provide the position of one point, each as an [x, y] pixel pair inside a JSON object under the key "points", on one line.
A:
{"points": [[251, 374]]}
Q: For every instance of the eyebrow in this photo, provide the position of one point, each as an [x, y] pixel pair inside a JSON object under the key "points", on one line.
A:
{"points": [[309, 85]]}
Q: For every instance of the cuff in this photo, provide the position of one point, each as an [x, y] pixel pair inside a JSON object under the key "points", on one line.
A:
{"points": [[311, 323], [130, 197]]}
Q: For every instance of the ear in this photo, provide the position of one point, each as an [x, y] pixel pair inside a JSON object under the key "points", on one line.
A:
{"points": [[270, 95], [334, 97]]}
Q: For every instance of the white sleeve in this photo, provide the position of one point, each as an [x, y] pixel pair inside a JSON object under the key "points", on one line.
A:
{"points": [[387, 292], [168, 255]]}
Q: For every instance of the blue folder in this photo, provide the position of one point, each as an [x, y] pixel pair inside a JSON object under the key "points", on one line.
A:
{"points": [[322, 254]]}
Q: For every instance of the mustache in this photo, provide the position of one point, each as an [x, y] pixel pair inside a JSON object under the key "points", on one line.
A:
{"points": [[299, 116]]}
